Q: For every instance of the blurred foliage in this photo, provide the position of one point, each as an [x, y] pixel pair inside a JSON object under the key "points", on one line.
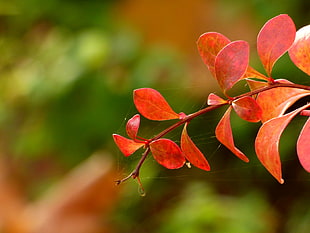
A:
{"points": [[65, 81], [196, 207], [67, 71], [206, 214]]}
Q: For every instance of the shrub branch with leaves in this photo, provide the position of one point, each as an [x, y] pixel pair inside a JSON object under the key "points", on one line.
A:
{"points": [[267, 101]]}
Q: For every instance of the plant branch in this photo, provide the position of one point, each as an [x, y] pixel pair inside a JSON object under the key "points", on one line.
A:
{"points": [[271, 86], [186, 119], [213, 107], [135, 173]]}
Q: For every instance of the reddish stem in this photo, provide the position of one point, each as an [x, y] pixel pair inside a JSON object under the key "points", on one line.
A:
{"points": [[186, 119], [271, 86], [135, 173]]}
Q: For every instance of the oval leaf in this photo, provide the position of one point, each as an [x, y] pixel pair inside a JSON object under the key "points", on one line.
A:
{"points": [[191, 151], [224, 134], [152, 105], [303, 146], [132, 126], [300, 50], [274, 39], [214, 99], [209, 45], [231, 63], [126, 146], [248, 109], [167, 153], [276, 101], [267, 142]]}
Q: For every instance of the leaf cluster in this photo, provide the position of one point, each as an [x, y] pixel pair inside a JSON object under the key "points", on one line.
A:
{"points": [[267, 101]]}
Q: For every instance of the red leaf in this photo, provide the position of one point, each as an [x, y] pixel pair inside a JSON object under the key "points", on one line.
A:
{"points": [[224, 134], [300, 50], [303, 146], [126, 146], [247, 108], [267, 142], [209, 45], [167, 153], [132, 126], [276, 101], [192, 153], [274, 39], [231, 63], [214, 99], [152, 105]]}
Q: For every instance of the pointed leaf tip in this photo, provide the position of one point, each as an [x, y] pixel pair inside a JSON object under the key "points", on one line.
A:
{"points": [[126, 146], [192, 153], [231, 63], [167, 153], [303, 146], [223, 133], [254, 84], [300, 50], [252, 73], [214, 99], [274, 39], [267, 142], [152, 105], [132, 126]]}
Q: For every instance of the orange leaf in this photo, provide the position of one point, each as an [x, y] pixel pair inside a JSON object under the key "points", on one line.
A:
{"points": [[231, 63], [267, 142], [276, 101], [132, 126], [152, 105], [300, 50], [192, 153], [167, 153], [254, 84], [214, 99], [224, 134], [274, 39], [209, 45], [126, 146], [252, 73], [248, 109], [303, 146]]}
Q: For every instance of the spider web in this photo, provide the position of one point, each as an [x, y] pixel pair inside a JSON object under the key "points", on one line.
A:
{"points": [[225, 167]]}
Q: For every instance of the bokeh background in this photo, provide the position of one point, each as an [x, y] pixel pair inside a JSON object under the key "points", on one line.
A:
{"points": [[67, 71]]}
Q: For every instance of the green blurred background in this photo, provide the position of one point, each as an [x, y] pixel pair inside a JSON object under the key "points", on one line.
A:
{"points": [[67, 71]]}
